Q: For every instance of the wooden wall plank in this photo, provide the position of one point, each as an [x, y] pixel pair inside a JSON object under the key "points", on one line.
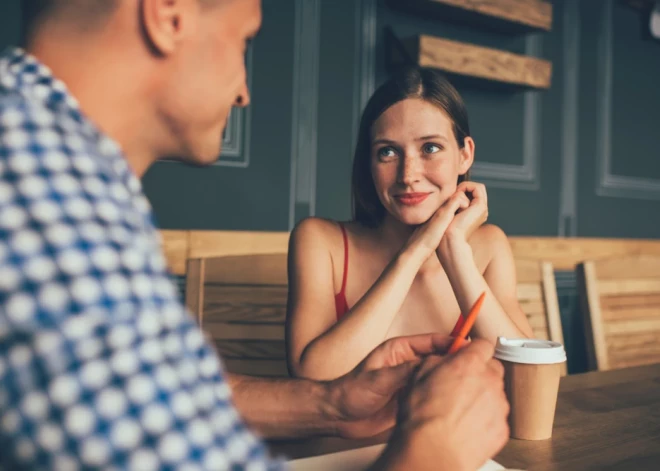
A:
{"points": [[480, 62], [533, 14]]}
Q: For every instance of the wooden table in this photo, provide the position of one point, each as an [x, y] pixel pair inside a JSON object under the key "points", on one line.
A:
{"points": [[605, 420]]}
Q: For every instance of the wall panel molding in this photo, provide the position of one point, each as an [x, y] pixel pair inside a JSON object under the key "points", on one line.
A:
{"points": [[607, 183], [364, 81], [302, 194], [569, 118], [525, 176]]}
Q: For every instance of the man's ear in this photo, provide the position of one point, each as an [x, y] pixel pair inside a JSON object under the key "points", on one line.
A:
{"points": [[166, 22], [466, 156]]}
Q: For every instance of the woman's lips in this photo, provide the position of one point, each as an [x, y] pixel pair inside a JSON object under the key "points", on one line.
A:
{"points": [[411, 199]]}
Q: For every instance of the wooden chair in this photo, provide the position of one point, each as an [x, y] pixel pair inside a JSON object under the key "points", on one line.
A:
{"points": [[239, 300], [621, 308], [537, 295]]}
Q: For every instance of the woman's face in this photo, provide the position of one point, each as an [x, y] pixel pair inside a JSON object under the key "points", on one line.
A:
{"points": [[415, 159]]}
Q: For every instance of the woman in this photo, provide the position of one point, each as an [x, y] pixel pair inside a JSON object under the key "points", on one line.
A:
{"points": [[416, 255]]}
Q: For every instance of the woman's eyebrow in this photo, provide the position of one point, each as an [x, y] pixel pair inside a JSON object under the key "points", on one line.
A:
{"points": [[431, 136], [381, 140]]}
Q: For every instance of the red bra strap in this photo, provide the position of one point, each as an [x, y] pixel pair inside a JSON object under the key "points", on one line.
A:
{"points": [[343, 281]]}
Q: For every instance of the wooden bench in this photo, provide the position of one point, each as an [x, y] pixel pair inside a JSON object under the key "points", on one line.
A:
{"points": [[239, 295]]}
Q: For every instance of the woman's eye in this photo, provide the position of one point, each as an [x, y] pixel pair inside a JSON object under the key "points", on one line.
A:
{"points": [[431, 148], [386, 153]]}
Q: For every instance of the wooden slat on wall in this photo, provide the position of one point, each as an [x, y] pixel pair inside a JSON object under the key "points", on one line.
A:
{"points": [[535, 14], [485, 63]]}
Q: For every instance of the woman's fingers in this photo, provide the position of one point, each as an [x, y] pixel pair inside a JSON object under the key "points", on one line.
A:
{"points": [[476, 190]]}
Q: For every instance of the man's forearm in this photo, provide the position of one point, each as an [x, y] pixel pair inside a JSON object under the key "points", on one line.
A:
{"points": [[284, 408]]}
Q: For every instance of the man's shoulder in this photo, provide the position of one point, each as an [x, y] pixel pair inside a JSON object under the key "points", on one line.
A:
{"points": [[69, 215], [23, 113]]}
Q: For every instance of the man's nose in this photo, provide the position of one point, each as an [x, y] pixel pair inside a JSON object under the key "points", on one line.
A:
{"points": [[243, 98]]}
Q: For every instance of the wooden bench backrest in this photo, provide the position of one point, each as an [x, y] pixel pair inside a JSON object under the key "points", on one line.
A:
{"points": [[621, 304], [239, 299]]}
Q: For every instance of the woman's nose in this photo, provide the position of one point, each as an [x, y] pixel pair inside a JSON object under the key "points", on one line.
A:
{"points": [[410, 170]]}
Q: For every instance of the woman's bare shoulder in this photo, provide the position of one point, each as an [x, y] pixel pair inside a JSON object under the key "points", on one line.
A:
{"points": [[318, 231], [487, 241]]}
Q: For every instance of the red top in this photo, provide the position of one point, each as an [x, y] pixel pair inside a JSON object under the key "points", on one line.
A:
{"points": [[341, 305]]}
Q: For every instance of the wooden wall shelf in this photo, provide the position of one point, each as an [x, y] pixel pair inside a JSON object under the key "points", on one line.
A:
{"points": [[463, 59], [644, 5], [510, 15]]}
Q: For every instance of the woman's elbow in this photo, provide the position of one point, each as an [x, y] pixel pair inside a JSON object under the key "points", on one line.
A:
{"points": [[309, 366]]}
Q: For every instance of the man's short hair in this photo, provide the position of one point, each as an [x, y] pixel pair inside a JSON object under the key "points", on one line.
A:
{"points": [[87, 12], [35, 12], [32, 11]]}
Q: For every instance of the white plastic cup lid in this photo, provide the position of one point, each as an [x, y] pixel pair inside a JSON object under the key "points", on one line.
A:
{"points": [[529, 351]]}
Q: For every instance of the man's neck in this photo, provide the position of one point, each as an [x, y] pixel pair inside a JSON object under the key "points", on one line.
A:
{"points": [[107, 84]]}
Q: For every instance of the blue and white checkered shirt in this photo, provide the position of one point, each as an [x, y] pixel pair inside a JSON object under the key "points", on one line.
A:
{"points": [[100, 364]]}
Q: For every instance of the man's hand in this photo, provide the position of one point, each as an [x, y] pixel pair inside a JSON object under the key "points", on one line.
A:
{"points": [[364, 401], [455, 416]]}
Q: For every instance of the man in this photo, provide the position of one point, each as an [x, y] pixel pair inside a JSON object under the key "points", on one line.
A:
{"points": [[100, 365]]}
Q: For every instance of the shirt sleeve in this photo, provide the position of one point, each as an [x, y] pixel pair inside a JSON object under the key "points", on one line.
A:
{"points": [[101, 367]]}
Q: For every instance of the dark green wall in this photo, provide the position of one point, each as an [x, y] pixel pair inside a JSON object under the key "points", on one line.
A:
{"points": [[9, 22], [619, 106], [578, 159]]}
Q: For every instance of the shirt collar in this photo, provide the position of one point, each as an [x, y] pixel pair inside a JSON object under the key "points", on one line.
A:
{"points": [[25, 74]]}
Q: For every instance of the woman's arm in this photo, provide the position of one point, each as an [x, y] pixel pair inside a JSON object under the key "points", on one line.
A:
{"points": [[318, 346], [500, 314]]}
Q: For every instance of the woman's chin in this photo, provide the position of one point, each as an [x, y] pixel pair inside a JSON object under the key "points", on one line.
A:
{"points": [[414, 217]]}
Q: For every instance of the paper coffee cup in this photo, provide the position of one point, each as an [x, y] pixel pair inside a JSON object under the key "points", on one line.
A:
{"points": [[532, 369]]}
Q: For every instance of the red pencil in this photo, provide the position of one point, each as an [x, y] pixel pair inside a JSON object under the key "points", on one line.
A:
{"points": [[467, 325]]}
